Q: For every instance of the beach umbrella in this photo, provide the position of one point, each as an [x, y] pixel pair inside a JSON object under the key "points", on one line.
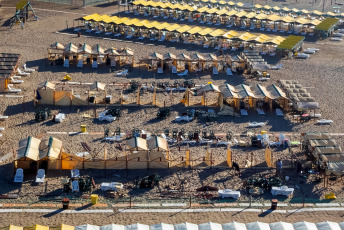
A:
{"points": [[11, 227], [186, 226], [210, 226], [257, 226], [36, 227], [137, 227], [111, 51], [87, 227], [62, 227], [156, 56], [169, 56], [234, 225], [184, 56]]}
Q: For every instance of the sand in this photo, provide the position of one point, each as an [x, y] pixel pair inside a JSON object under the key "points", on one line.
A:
{"points": [[321, 73]]}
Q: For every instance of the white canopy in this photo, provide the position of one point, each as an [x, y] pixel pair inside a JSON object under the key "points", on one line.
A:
{"points": [[327, 225], [112, 227], [137, 227], [162, 226], [186, 226], [234, 226], [281, 226], [305, 226], [210, 226], [87, 227], [257, 226]]}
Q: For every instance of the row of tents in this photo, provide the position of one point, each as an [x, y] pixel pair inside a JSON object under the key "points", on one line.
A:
{"points": [[232, 12], [189, 226]]}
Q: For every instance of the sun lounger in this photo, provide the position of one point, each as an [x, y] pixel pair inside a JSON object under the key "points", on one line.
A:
{"points": [[141, 38], [28, 69], [94, 64], [174, 70], [243, 112], [117, 35], [284, 190], [3, 117], [113, 186], [123, 73], [160, 70], [17, 77], [103, 117], [223, 143], [22, 73], [324, 122], [336, 39], [108, 33], [99, 32], [19, 177], [12, 90], [74, 173], [114, 138], [16, 81], [229, 193], [75, 186], [80, 64], [184, 118], [256, 124], [215, 71], [40, 176], [279, 112], [302, 56], [162, 38], [260, 111], [185, 73], [66, 63], [130, 36], [309, 51]]}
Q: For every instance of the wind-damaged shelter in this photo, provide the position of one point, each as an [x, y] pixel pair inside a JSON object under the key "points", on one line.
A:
{"points": [[8, 66], [33, 153]]}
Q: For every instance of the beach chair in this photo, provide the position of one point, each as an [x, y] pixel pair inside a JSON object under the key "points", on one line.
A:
{"points": [[22, 73], [94, 64], [117, 35], [256, 124], [130, 36], [279, 113], [141, 38], [74, 173], [160, 70], [184, 118], [40, 176], [28, 69], [123, 73], [80, 64], [75, 186], [17, 77], [229, 72], [182, 74], [174, 70], [16, 81], [99, 32], [162, 38], [66, 63], [324, 122], [12, 90], [77, 30], [19, 177], [89, 31], [108, 33], [243, 112], [260, 111], [215, 71]]}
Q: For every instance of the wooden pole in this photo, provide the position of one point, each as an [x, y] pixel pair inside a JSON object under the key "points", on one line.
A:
{"points": [[251, 160]]}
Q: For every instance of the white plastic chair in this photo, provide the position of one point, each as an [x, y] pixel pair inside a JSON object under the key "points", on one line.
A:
{"points": [[75, 186], [19, 177], [16, 81], [74, 173], [160, 70], [40, 176], [28, 69], [185, 73], [22, 72], [123, 73]]}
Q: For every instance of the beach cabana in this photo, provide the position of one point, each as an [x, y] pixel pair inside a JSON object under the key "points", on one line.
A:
{"points": [[210, 226], [186, 226], [257, 226], [49, 153], [111, 55], [162, 226], [326, 27], [28, 153], [136, 144], [137, 227], [281, 226], [87, 227], [157, 61], [245, 95], [234, 226], [112, 227], [291, 44]]}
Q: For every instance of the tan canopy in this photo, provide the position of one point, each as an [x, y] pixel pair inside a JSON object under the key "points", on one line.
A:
{"points": [[137, 143], [51, 148], [157, 142], [29, 148]]}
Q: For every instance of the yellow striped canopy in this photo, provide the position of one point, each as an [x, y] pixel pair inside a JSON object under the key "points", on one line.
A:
{"points": [[205, 32], [11, 227], [183, 29], [195, 30], [173, 27]]}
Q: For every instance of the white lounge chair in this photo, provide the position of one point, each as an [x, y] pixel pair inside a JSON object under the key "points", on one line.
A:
{"points": [[184, 118], [19, 177], [174, 70], [74, 173], [160, 70], [256, 124], [40, 176], [243, 112], [113, 139], [229, 72], [185, 73], [130, 36], [162, 38], [215, 71], [279, 112], [229, 193], [66, 63], [123, 73], [324, 122], [3, 117], [18, 77], [75, 186], [80, 64], [22, 72], [94, 64], [2, 129], [113, 186], [336, 39], [12, 90], [16, 81], [260, 111], [28, 69], [302, 56]]}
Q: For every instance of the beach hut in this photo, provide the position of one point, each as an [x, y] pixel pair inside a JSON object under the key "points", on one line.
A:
{"points": [[210, 226], [186, 226], [184, 62], [27, 154], [245, 95], [327, 225], [161, 226], [126, 57], [49, 154], [111, 55], [197, 62], [112, 227], [136, 144], [234, 226], [169, 60], [281, 226], [257, 226], [87, 227], [56, 53], [62, 227], [229, 95], [157, 61]]}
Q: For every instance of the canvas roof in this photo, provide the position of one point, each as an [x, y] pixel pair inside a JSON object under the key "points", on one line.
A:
{"points": [[137, 227], [71, 48], [228, 91], [157, 142], [234, 226], [327, 225], [36, 227], [326, 24], [50, 147], [137, 142], [156, 56], [97, 49], [257, 226], [48, 85], [62, 227], [317, 135], [112, 227], [281, 226], [29, 148], [112, 51], [243, 91], [184, 56], [97, 86], [11, 227], [169, 56], [57, 46], [87, 227], [210, 226], [162, 226], [186, 226], [290, 42], [207, 88]]}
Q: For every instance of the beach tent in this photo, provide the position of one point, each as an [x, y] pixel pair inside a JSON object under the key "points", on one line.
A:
{"points": [[305, 226], [257, 226], [36, 227], [137, 143], [97, 86], [161, 226], [281, 226], [57, 46], [87, 227], [234, 226], [11, 227], [157, 142], [327, 225], [50, 148], [62, 227], [137, 227], [186, 226], [112, 227], [28, 149], [210, 226]]}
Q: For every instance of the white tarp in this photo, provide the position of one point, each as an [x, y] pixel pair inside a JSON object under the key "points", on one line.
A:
{"points": [[305, 226], [186, 226], [257, 226], [328, 226], [112, 227], [281, 226], [137, 227], [210, 226], [234, 226], [161, 226]]}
